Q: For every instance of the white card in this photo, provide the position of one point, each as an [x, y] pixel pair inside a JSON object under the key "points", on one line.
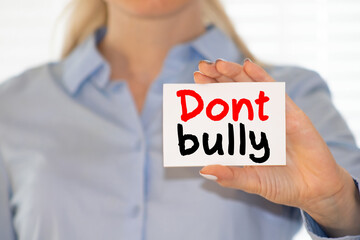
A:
{"points": [[234, 124]]}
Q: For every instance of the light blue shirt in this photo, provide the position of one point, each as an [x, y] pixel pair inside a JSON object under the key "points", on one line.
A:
{"points": [[77, 161]]}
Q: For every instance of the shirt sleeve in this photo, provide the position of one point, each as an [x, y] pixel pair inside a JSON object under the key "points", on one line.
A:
{"points": [[6, 226], [310, 92]]}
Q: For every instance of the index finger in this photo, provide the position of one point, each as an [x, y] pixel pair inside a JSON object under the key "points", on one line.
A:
{"points": [[256, 73]]}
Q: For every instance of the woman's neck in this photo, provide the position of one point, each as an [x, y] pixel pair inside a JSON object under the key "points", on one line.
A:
{"points": [[136, 47]]}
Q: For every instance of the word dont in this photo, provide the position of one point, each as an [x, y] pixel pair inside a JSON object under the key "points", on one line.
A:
{"points": [[236, 106]]}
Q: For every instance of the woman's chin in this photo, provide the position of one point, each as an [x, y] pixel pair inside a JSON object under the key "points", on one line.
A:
{"points": [[150, 8]]}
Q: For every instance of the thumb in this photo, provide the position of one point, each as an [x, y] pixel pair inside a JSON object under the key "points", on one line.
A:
{"points": [[243, 178]]}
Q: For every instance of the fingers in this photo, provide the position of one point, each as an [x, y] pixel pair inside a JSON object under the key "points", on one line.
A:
{"points": [[257, 73], [232, 70], [209, 69], [295, 117], [201, 78], [234, 177], [298, 125], [224, 71]]}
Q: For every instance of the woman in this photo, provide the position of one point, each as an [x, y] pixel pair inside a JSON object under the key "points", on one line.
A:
{"points": [[81, 150]]}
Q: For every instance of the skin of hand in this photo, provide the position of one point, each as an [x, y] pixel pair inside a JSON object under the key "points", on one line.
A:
{"points": [[311, 180]]}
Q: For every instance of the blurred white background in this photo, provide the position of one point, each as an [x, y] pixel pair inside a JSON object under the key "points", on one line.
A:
{"points": [[323, 35]]}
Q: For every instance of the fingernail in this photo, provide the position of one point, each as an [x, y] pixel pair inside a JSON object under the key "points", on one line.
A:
{"points": [[247, 59], [220, 59], [209, 177], [206, 61]]}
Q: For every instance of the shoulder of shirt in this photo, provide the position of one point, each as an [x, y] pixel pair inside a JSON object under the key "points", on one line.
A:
{"points": [[299, 80], [30, 81]]}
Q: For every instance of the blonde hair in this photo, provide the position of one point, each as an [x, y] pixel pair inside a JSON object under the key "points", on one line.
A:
{"points": [[85, 16]]}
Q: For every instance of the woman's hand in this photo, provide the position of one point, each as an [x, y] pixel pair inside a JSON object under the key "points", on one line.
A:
{"points": [[311, 180]]}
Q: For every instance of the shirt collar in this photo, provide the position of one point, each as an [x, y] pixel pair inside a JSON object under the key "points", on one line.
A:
{"points": [[86, 62]]}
